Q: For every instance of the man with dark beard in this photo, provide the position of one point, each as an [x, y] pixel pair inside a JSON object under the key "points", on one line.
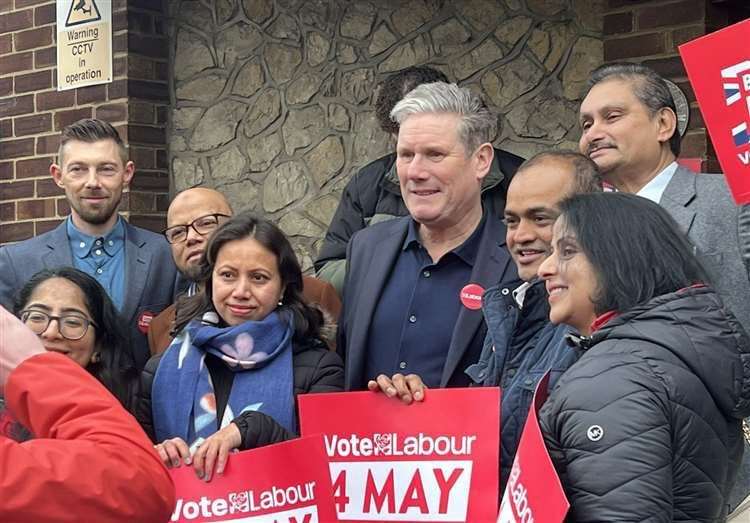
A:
{"points": [[133, 265]]}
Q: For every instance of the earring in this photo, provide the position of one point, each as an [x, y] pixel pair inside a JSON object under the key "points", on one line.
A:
{"points": [[95, 357], [280, 303]]}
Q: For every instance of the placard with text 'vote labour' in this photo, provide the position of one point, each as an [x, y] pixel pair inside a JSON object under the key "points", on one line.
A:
{"points": [[435, 460], [84, 43], [283, 483], [718, 66], [534, 492]]}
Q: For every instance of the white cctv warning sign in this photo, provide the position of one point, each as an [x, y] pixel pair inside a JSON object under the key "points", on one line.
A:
{"points": [[84, 43]]}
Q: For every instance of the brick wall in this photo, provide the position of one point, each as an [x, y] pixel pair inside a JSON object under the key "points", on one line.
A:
{"points": [[32, 112], [649, 31]]}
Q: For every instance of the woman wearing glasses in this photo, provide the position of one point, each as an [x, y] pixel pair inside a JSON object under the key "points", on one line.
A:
{"points": [[72, 314], [247, 345]]}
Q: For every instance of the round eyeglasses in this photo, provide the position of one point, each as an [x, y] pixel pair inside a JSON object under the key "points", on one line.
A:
{"points": [[203, 225], [71, 326]]}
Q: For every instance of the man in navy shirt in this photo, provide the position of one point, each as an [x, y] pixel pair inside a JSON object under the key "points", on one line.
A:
{"points": [[411, 283], [133, 265]]}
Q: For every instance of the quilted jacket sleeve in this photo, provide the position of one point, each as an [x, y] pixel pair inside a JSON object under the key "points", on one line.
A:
{"points": [[85, 440], [607, 427], [314, 371]]}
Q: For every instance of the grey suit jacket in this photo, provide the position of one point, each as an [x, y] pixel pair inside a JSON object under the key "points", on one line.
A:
{"points": [[150, 274], [371, 255], [720, 231]]}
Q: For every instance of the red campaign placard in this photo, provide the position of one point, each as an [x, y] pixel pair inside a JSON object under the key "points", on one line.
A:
{"points": [[533, 492], [718, 66], [435, 460], [284, 483]]}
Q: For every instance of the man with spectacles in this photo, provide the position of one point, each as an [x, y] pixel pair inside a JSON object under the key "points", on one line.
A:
{"points": [[192, 217], [132, 264]]}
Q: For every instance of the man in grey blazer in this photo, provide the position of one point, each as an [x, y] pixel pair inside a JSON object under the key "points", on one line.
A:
{"points": [[412, 292], [133, 265], [629, 129]]}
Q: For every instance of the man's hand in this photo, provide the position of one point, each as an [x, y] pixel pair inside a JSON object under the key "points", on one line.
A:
{"points": [[215, 451], [173, 452], [17, 343], [408, 388]]}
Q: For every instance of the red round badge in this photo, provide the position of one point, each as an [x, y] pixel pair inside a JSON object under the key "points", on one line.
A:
{"points": [[471, 296], [144, 320]]}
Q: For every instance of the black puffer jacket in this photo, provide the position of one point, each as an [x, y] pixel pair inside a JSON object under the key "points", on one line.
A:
{"points": [[646, 425], [316, 369]]}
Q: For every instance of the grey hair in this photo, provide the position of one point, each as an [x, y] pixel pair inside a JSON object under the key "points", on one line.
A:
{"points": [[648, 86], [476, 122]]}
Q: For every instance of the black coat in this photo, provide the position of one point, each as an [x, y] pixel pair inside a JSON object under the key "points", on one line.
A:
{"points": [[316, 369], [646, 425]]}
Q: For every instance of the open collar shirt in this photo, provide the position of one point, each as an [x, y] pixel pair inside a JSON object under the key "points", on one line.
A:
{"points": [[102, 257]]}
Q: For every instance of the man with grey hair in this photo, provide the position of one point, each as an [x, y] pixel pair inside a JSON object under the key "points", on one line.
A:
{"points": [[413, 286], [629, 129]]}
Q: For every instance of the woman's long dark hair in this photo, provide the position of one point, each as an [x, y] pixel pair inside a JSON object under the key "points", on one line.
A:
{"points": [[115, 367], [307, 319], [636, 248]]}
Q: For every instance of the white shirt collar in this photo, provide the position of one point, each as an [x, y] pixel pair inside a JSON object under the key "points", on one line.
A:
{"points": [[654, 189], [519, 294]]}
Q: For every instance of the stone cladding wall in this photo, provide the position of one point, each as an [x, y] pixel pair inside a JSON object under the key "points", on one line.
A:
{"points": [[273, 100]]}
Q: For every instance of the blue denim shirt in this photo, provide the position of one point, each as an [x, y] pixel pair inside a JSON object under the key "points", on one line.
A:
{"points": [[102, 257], [516, 367]]}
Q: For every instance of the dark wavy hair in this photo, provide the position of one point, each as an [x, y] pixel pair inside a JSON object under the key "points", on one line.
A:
{"points": [[308, 320], [115, 367], [635, 247], [396, 86]]}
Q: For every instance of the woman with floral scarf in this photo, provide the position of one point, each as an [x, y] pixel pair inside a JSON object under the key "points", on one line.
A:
{"points": [[246, 345]]}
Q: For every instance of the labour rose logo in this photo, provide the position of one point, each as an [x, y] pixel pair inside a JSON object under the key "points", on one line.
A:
{"points": [[383, 441], [736, 83], [239, 502]]}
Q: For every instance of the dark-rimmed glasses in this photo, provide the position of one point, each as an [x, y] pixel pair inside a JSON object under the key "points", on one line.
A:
{"points": [[202, 225], [70, 326]]}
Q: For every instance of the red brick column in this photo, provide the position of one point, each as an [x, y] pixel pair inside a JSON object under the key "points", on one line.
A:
{"points": [[32, 112], [649, 32]]}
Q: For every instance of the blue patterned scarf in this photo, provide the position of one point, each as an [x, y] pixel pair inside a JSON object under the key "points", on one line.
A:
{"points": [[260, 353]]}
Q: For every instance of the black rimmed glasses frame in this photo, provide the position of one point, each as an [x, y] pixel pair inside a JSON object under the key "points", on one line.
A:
{"points": [[70, 326], [203, 225]]}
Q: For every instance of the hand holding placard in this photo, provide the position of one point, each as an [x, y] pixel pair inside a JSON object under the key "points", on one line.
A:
{"points": [[432, 460], [288, 482]]}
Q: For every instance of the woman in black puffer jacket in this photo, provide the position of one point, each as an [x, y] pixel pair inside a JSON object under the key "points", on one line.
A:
{"points": [[247, 345], [646, 426]]}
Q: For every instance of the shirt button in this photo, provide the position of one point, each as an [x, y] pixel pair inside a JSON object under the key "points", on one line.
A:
{"points": [[402, 365], [412, 319], [505, 292], [98, 252], [98, 242], [82, 245], [528, 381], [99, 271], [512, 372], [111, 242], [426, 274]]}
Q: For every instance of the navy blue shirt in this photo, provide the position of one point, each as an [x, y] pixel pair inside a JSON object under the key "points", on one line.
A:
{"points": [[413, 322]]}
